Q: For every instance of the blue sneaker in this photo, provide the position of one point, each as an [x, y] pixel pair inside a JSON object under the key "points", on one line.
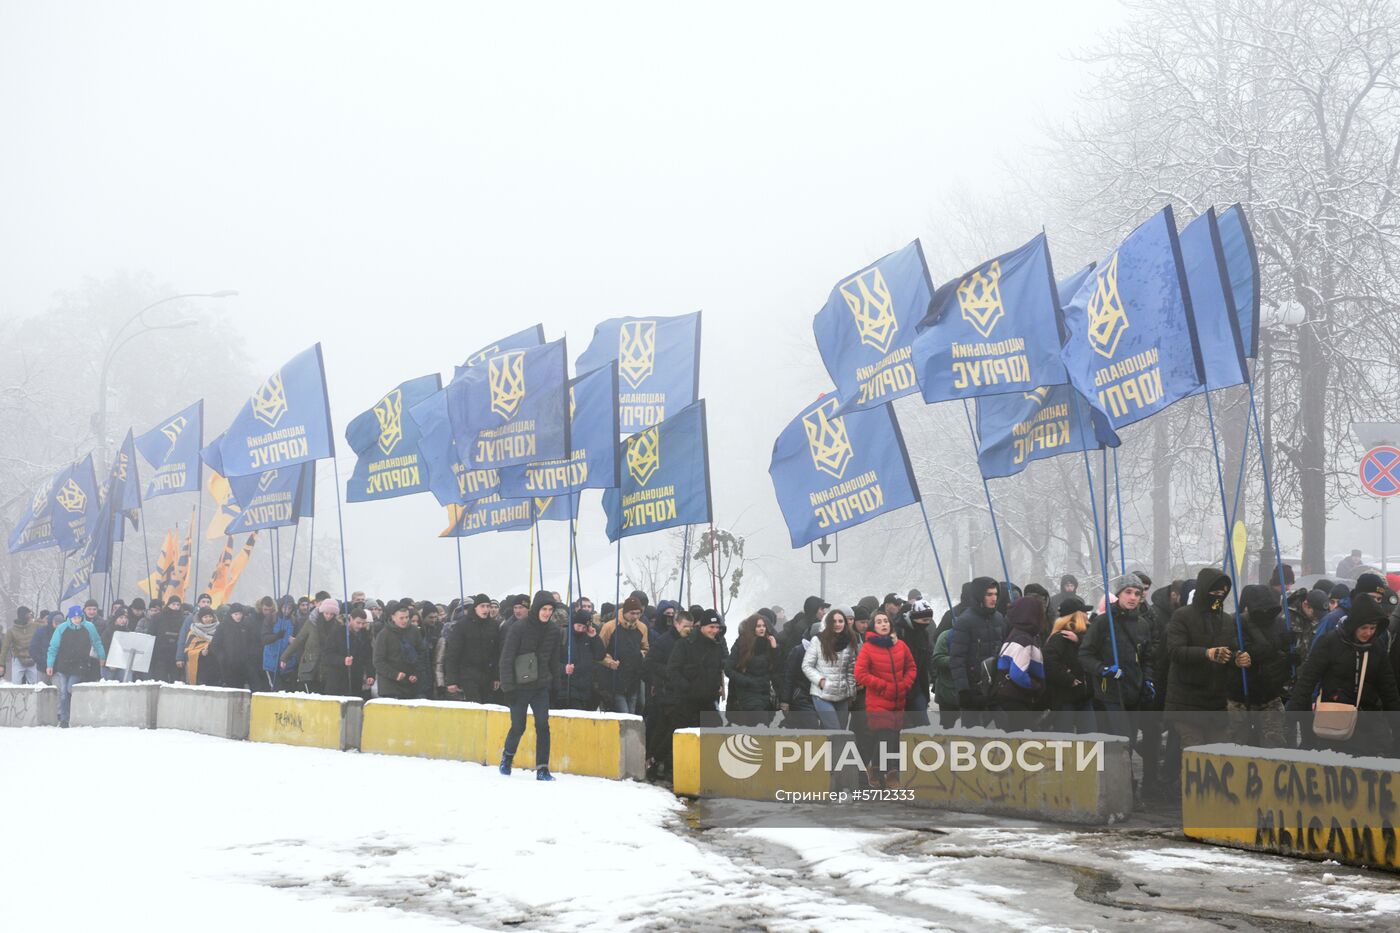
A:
{"points": [[543, 774], [505, 764]]}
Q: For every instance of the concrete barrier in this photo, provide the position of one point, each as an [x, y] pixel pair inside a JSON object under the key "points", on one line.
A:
{"points": [[1311, 804], [762, 763], [28, 706], [599, 744], [306, 719], [1046, 776], [107, 703], [218, 711]]}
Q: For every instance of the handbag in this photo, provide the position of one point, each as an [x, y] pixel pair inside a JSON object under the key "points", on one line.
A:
{"points": [[1337, 721], [527, 669]]}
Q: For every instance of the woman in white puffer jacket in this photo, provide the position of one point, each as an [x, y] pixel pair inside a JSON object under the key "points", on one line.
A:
{"points": [[830, 665]]}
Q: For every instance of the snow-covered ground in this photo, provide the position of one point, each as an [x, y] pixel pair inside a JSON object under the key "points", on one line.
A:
{"points": [[164, 830]]}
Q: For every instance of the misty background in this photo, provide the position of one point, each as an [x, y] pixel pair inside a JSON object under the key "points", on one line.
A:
{"points": [[405, 183]]}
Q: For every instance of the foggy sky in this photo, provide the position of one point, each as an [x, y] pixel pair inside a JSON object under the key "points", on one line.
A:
{"points": [[405, 182]]}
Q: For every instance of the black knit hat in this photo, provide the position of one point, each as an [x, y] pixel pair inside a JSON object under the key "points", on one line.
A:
{"points": [[481, 599]]}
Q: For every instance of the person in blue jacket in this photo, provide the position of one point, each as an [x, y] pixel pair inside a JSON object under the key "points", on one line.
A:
{"points": [[74, 643]]}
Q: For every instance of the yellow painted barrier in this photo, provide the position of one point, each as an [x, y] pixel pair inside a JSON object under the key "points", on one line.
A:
{"points": [[1051, 776], [1321, 805], [599, 744], [306, 719], [758, 763]]}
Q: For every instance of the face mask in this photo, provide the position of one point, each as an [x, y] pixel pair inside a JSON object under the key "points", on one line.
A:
{"points": [[1217, 600]]}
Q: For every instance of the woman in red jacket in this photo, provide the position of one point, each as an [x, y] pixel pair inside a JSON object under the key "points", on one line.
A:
{"points": [[885, 668]]}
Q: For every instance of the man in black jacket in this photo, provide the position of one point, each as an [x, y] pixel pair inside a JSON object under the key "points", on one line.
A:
{"points": [[658, 714], [813, 610], [915, 632], [695, 673], [579, 667], [1199, 641], [1256, 717], [529, 653], [976, 636], [473, 654]]}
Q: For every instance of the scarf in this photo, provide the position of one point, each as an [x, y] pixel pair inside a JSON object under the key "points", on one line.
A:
{"points": [[410, 653], [204, 630], [884, 641]]}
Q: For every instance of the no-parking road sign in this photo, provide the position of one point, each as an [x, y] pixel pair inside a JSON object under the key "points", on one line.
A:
{"points": [[1380, 471]]}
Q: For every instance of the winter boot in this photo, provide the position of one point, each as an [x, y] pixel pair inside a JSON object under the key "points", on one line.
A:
{"points": [[505, 763], [542, 774]]}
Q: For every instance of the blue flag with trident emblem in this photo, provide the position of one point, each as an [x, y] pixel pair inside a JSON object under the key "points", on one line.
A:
{"points": [[285, 423], [449, 479], [513, 408], [489, 514], [835, 471], [520, 340], [273, 499], [665, 477], [1132, 347], [658, 365], [385, 441], [172, 449], [34, 530], [994, 329], [593, 434], [865, 331]]}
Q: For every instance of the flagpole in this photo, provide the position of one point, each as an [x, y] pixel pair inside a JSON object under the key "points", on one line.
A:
{"points": [[937, 561], [569, 624], [531, 585], [1103, 554], [617, 596], [987, 491], [272, 556], [310, 553], [1229, 549], [714, 567], [146, 547], [1118, 502], [62, 565], [1103, 478], [539, 552], [291, 560], [340, 521], [1269, 500], [461, 583], [685, 553], [198, 534], [121, 566]]}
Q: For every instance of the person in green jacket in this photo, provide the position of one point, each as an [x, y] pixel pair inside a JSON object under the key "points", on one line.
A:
{"points": [[399, 652], [15, 661]]}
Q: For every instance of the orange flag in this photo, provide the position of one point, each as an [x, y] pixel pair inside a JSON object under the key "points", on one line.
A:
{"points": [[229, 569], [158, 583]]}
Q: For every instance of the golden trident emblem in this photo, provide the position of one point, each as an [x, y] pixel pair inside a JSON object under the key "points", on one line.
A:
{"points": [[644, 455], [979, 296], [827, 439], [266, 479], [542, 504], [636, 351], [270, 401], [1037, 395], [172, 431], [389, 413], [1107, 319], [41, 497], [71, 496], [868, 297], [507, 381]]}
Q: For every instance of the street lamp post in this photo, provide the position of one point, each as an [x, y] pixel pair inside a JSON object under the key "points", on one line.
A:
{"points": [[99, 421]]}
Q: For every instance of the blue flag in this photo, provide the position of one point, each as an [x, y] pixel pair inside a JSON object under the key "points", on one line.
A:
{"points": [[520, 340], [385, 441], [832, 471], [273, 499], [513, 408], [172, 449], [124, 488], [555, 508], [865, 331], [1017, 428], [96, 555], [1212, 304], [593, 434], [993, 330], [658, 365], [34, 530], [286, 422], [76, 505], [1237, 242], [449, 479], [489, 514], [666, 481], [1132, 348]]}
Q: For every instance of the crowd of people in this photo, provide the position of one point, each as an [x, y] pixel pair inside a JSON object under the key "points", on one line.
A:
{"points": [[1168, 667]]}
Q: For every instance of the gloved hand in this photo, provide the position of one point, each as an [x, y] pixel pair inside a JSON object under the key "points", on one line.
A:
{"points": [[969, 699], [1112, 672], [1149, 690]]}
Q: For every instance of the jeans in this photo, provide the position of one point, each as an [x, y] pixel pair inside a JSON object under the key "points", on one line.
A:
{"points": [[833, 715], [626, 702], [25, 673], [65, 684], [521, 700]]}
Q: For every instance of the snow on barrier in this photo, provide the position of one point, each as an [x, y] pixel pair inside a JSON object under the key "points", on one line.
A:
{"points": [[218, 711], [609, 745], [306, 719], [1050, 776], [28, 706], [761, 763], [108, 703], [1312, 804]]}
